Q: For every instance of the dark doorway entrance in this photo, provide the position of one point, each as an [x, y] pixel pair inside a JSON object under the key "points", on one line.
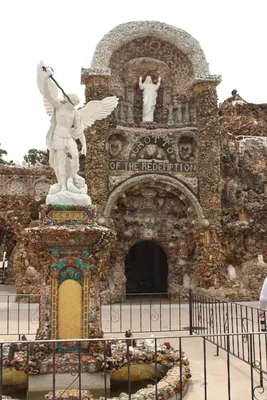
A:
{"points": [[146, 269]]}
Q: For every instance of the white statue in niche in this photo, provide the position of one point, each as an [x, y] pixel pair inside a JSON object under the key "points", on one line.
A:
{"points": [[260, 260], [67, 125], [231, 271], [186, 281], [150, 93]]}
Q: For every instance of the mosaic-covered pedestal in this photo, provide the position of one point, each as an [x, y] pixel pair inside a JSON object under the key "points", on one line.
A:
{"points": [[70, 290]]}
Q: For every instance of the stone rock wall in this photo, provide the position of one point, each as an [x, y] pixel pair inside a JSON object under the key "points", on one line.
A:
{"points": [[238, 117], [23, 189], [244, 194]]}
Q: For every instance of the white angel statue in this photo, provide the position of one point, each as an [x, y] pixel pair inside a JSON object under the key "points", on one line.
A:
{"points": [[67, 125]]}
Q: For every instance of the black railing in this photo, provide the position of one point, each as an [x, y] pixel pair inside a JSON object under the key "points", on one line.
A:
{"points": [[211, 377], [19, 314], [3, 269], [156, 312], [214, 317], [144, 312]]}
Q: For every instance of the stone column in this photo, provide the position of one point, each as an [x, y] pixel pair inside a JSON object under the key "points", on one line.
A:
{"points": [[97, 159], [209, 252]]}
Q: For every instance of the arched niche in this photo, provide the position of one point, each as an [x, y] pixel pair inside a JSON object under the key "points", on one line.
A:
{"points": [[70, 310]]}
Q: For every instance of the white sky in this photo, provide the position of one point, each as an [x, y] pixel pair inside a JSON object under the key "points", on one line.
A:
{"points": [[64, 34]]}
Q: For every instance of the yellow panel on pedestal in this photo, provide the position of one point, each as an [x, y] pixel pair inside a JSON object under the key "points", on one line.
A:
{"points": [[70, 310]]}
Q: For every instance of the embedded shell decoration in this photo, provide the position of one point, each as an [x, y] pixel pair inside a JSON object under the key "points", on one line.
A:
{"points": [[143, 353]]}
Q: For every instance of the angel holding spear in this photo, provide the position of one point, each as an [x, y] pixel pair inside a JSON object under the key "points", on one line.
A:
{"points": [[67, 125]]}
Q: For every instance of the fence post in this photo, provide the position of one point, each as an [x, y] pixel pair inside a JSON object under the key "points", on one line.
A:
{"points": [[190, 303], [3, 267], [1, 369]]}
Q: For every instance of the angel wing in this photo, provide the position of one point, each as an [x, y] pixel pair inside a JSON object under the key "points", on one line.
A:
{"points": [[97, 110], [52, 87]]}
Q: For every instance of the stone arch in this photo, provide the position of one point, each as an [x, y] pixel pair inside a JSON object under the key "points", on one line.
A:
{"points": [[154, 178], [131, 67], [41, 187], [16, 186], [127, 32], [158, 242]]}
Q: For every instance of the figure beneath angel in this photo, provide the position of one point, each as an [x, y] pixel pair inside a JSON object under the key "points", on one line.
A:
{"points": [[67, 126]]}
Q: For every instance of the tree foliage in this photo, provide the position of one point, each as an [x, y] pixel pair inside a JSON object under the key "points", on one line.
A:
{"points": [[33, 156], [2, 154]]}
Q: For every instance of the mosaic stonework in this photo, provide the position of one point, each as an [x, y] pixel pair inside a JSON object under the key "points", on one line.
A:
{"points": [[123, 33], [16, 187], [41, 188], [174, 377], [77, 254], [176, 71], [25, 181], [163, 151]]}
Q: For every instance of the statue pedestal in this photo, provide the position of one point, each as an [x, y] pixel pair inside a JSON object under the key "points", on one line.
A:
{"points": [[78, 246], [68, 198]]}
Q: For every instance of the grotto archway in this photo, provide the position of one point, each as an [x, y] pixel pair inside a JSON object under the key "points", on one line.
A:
{"points": [[158, 209], [153, 179], [146, 268]]}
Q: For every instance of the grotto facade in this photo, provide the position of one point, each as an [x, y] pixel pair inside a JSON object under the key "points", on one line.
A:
{"points": [[185, 192]]}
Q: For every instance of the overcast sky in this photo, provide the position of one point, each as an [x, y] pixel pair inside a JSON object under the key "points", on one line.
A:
{"points": [[64, 34]]}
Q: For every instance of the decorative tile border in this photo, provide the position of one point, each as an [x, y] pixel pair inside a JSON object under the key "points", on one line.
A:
{"points": [[67, 215]]}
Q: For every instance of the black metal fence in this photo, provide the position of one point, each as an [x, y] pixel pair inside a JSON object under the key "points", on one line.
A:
{"points": [[157, 312], [3, 268], [212, 377], [145, 312], [237, 328], [214, 318], [19, 314]]}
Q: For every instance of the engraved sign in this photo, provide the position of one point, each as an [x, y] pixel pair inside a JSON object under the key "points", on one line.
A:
{"points": [[158, 153], [67, 215], [150, 147], [152, 166]]}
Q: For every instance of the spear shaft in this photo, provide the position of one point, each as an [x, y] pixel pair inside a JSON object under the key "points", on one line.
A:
{"points": [[56, 83]]}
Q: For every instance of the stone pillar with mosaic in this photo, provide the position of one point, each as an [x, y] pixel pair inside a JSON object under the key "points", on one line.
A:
{"points": [[209, 259], [69, 309], [97, 86]]}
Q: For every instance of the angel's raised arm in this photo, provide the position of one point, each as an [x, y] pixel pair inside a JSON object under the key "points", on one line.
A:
{"points": [[47, 94]]}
